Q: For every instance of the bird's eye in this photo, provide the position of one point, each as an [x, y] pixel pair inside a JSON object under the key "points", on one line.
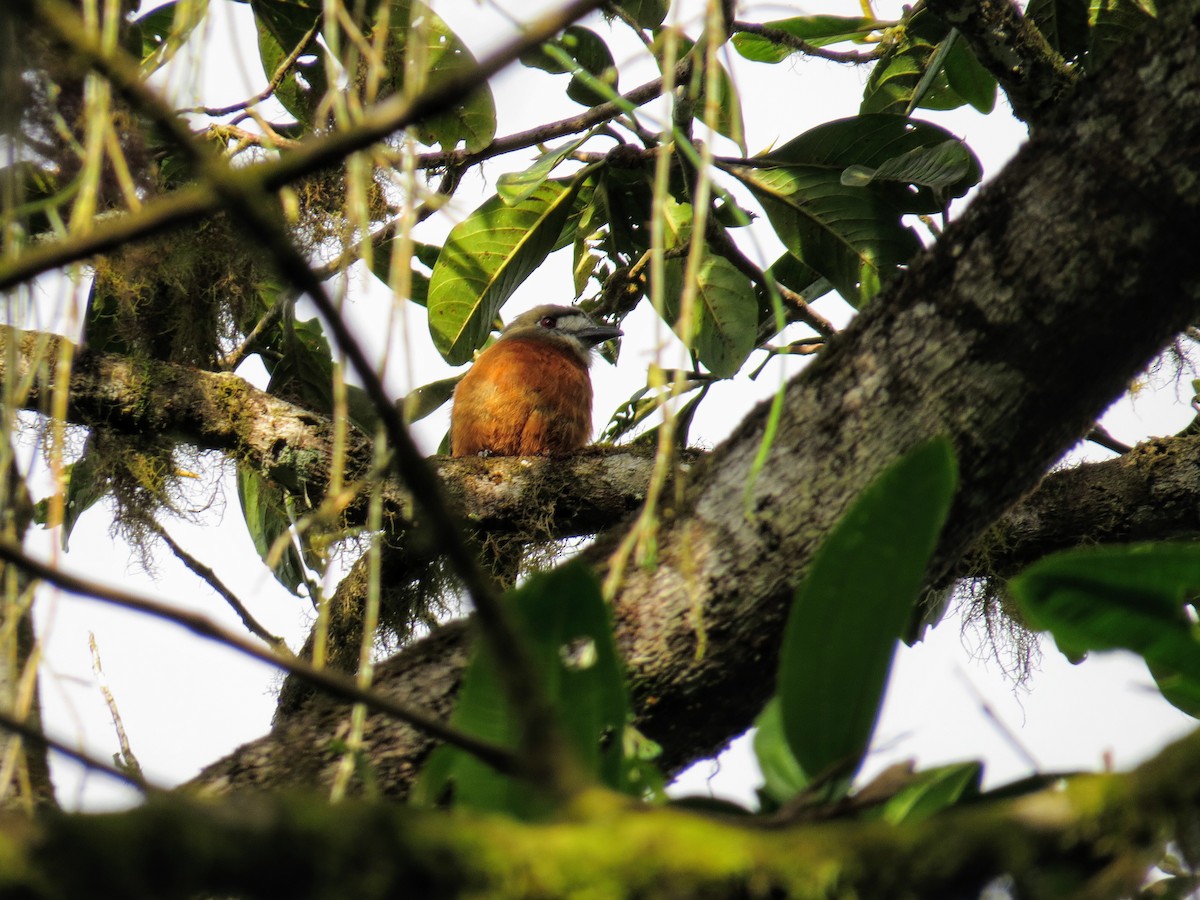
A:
{"points": [[547, 321]]}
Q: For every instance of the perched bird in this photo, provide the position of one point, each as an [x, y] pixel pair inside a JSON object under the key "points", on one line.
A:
{"points": [[529, 394]]}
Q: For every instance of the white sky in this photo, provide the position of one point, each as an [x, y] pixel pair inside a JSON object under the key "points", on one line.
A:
{"points": [[185, 702]]}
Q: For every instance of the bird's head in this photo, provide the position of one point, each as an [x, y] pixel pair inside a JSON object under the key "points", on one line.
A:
{"points": [[568, 326]]}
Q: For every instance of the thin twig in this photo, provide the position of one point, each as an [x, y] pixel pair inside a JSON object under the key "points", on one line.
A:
{"points": [[210, 578], [332, 682], [276, 79], [129, 762], [783, 38]]}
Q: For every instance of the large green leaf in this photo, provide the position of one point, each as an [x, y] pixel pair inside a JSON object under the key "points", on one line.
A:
{"points": [[852, 235], [931, 791], [486, 257], [782, 776], [819, 31], [472, 120], [567, 622], [1132, 596], [647, 13], [264, 508], [940, 167], [969, 79], [851, 607], [725, 312], [282, 27]]}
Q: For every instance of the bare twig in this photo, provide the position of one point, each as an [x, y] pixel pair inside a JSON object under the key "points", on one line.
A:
{"points": [[129, 762], [276, 79], [210, 578], [32, 733]]}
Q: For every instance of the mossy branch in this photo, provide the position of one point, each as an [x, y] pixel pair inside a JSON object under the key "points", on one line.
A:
{"points": [[1094, 836]]}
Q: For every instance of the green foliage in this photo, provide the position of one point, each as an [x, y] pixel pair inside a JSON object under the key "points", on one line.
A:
{"points": [[486, 257], [853, 234], [817, 31], [849, 612], [566, 621], [265, 510], [1138, 597]]}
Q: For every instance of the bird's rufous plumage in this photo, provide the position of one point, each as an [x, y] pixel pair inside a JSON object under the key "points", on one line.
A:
{"points": [[530, 394]]}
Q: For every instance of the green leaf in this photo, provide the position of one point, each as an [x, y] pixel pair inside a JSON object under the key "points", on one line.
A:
{"points": [[782, 776], [568, 624], [282, 26], [265, 511], [940, 166], [486, 257], [837, 230], [968, 78], [381, 267], [899, 75], [725, 312], [1131, 596], [728, 120], [83, 490], [932, 791], [587, 50], [514, 187], [819, 31], [154, 28], [428, 398], [1064, 24], [854, 236], [472, 120], [647, 13], [851, 607]]}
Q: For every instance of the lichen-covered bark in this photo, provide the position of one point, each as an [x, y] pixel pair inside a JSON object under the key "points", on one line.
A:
{"points": [[1068, 272], [293, 445], [1149, 494]]}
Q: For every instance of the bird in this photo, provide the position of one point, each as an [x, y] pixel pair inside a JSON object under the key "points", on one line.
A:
{"points": [[530, 394]]}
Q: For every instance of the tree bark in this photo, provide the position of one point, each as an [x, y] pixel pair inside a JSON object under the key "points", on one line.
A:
{"points": [[1062, 280]]}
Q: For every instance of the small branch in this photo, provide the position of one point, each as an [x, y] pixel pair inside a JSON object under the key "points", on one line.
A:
{"points": [[784, 39], [276, 79], [235, 359], [129, 762], [333, 683], [210, 578]]}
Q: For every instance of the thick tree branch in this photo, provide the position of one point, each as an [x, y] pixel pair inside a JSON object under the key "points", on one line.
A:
{"points": [[1149, 494], [989, 339], [570, 497]]}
